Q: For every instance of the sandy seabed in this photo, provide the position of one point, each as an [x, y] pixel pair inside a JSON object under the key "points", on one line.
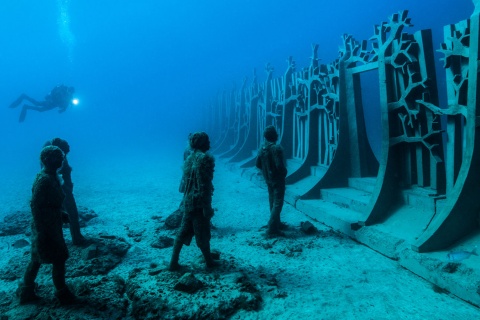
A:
{"points": [[322, 276]]}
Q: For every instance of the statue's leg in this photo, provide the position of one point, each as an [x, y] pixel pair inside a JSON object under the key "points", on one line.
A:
{"points": [[63, 293], [72, 210], [274, 223], [202, 237], [26, 289]]}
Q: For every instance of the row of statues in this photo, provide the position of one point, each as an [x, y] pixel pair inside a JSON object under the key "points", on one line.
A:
{"points": [[53, 204]]}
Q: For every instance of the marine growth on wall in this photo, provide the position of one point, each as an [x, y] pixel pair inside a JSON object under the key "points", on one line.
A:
{"points": [[428, 154]]}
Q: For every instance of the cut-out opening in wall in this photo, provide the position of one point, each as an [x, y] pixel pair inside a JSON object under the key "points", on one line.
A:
{"points": [[371, 110]]}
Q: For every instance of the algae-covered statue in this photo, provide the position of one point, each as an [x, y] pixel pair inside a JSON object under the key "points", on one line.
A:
{"points": [[60, 97], [48, 244], [69, 204], [198, 171], [271, 161]]}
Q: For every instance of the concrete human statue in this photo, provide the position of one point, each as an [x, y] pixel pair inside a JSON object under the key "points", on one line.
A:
{"points": [[48, 244], [69, 204], [270, 160], [60, 97], [198, 172]]}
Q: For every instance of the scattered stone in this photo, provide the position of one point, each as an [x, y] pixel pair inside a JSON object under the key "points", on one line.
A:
{"points": [[106, 236], [188, 283], [174, 220], [155, 271], [451, 267], [15, 268], [267, 245], [247, 286], [5, 298], [82, 288], [308, 228], [98, 258], [148, 308], [16, 223], [102, 297], [90, 252], [163, 242], [295, 248], [85, 215], [155, 297], [272, 281], [136, 234]]}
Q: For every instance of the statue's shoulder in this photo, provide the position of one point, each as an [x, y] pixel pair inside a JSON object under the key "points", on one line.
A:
{"points": [[43, 180], [205, 159], [277, 147]]}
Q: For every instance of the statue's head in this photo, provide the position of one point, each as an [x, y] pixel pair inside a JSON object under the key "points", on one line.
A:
{"points": [[62, 144], [52, 157], [270, 134], [200, 141]]}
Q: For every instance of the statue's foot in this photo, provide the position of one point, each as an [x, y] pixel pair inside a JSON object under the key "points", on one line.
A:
{"points": [[274, 234], [65, 296], [174, 266], [27, 294], [212, 265], [80, 241]]}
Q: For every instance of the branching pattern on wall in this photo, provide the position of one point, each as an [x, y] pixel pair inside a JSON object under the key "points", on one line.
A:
{"points": [[318, 112]]}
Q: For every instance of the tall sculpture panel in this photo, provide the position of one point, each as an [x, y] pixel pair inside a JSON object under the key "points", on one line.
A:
{"points": [[319, 114]]}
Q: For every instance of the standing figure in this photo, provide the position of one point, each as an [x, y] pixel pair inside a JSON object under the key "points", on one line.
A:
{"points": [[69, 205], [198, 171], [60, 97], [48, 244], [271, 161]]}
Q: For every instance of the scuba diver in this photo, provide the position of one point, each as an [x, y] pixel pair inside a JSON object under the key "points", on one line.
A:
{"points": [[60, 97]]}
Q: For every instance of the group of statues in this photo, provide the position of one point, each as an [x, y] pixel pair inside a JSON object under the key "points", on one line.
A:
{"points": [[53, 204]]}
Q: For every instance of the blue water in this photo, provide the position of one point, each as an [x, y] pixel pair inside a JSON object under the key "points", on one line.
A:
{"points": [[145, 70]]}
